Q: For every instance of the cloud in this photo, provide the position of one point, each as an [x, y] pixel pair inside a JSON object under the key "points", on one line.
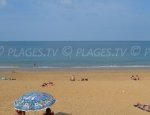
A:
{"points": [[3, 3]]}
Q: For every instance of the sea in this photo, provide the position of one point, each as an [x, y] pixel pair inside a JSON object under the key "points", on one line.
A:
{"points": [[74, 54]]}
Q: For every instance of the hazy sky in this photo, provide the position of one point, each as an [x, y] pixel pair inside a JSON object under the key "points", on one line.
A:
{"points": [[74, 20]]}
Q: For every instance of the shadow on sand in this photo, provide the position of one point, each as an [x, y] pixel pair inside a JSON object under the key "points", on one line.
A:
{"points": [[62, 113]]}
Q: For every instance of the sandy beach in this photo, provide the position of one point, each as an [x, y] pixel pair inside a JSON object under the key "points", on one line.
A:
{"points": [[107, 91]]}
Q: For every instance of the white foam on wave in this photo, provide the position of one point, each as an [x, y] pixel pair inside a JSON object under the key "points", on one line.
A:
{"points": [[114, 66], [76, 67], [9, 67]]}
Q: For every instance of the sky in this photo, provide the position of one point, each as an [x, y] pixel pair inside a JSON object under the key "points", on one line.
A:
{"points": [[74, 20]]}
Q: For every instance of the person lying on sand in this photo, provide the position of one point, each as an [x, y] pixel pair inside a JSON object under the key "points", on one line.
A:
{"points": [[11, 78], [44, 84], [84, 79], [47, 84], [135, 77], [143, 107]]}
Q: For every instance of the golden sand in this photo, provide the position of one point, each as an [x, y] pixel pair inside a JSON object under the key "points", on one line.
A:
{"points": [[107, 92]]}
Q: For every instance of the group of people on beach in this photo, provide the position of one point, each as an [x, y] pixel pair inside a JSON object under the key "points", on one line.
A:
{"points": [[5, 77], [72, 78], [136, 77], [47, 112]]}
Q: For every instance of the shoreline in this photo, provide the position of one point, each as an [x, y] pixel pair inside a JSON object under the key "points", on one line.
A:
{"points": [[76, 68]]}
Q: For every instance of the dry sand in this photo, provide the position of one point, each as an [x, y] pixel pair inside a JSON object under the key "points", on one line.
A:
{"points": [[108, 92]]}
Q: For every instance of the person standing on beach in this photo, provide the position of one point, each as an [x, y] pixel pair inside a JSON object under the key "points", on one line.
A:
{"points": [[72, 78]]}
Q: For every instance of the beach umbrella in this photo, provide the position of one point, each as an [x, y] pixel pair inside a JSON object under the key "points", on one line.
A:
{"points": [[34, 101]]}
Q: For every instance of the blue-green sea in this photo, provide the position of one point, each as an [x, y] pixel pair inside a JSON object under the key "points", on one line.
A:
{"points": [[74, 54]]}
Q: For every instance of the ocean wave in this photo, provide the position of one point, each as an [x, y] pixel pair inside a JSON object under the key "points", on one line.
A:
{"points": [[9, 67], [115, 66], [76, 67]]}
